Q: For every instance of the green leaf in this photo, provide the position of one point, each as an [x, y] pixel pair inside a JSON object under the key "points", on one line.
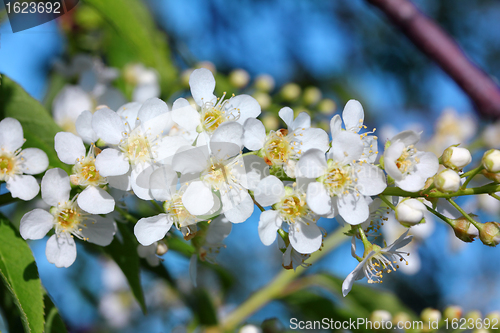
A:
{"points": [[125, 255], [38, 126], [134, 23], [19, 274], [53, 321], [203, 306]]}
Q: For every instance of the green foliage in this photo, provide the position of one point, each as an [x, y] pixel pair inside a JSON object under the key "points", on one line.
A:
{"points": [[125, 255], [53, 321], [134, 23], [38, 126], [19, 275]]}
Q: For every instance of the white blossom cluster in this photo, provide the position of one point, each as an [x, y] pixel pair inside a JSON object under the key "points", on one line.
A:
{"points": [[214, 162]]}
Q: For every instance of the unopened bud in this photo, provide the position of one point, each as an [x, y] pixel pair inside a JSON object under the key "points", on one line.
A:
{"points": [[161, 248], [494, 317], [380, 316], [250, 329], [494, 176], [270, 122], [185, 75], [456, 158], [263, 99], [410, 212], [208, 65], [490, 233], [312, 95], [491, 160], [401, 317], [239, 78], [464, 229], [290, 91], [327, 106], [430, 315], [264, 82], [447, 181], [474, 315], [452, 312]]}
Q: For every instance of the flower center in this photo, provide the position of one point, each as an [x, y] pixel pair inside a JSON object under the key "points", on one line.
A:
{"points": [[278, 148], [180, 215], [137, 148], [382, 262], [219, 175], [214, 115], [8, 165], [68, 217], [337, 179], [293, 207], [85, 173], [407, 160]]}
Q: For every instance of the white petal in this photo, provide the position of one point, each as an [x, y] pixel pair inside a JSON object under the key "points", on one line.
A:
{"points": [[34, 161], [269, 191], [70, 103], [224, 150], [36, 223], [353, 209], [244, 106], [312, 164], [335, 126], [411, 183], [408, 137], [191, 160], [318, 199], [303, 120], [286, 114], [69, 147], [313, 138], [218, 230], [61, 251], [163, 182], [230, 131], [139, 180], [167, 147], [185, 115], [55, 187], [151, 109], [255, 169], [111, 162], [242, 211], [129, 112], [84, 129], [356, 274], [198, 198], [101, 232], [353, 116], [108, 126], [254, 134], [120, 182], [269, 224], [143, 92], [95, 200], [428, 164], [23, 187], [202, 85], [151, 229], [11, 134], [305, 238], [371, 180], [346, 147], [391, 155]]}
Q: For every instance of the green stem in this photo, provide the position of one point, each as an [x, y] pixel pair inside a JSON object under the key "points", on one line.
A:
{"points": [[495, 196], [279, 284], [6, 199], [441, 216], [488, 188], [387, 202], [478, 225], [157, 206], [473, 173], [126, 214], [255, 202]]}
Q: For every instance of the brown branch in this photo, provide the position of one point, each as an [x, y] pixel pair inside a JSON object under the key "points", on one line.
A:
{"points": [[440, 47]]}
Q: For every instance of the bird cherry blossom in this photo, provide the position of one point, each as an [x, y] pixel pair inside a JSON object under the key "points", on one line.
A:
{"points": [[16, 164], [67, 220]]}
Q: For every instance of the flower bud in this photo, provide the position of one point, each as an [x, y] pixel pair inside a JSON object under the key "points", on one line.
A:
{"points": [[494, 317], [250, 329], [430, 315], [185, 77], [380, 316], [494, 176], [264, 82], [474, 315], [464, 229], [456, 158], [270, 122], [447, 181], [327, 106], [491, 160], [290, 91], [312, 95], [239, 78], [208, 65], [410, 212], [452, 312], [400, 317], [490, 233], [161, 248], [263, 99]]}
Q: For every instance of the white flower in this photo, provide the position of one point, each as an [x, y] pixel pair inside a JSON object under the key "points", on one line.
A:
{"points": [[341, 183], [410, 212], [66, 218], [149, 253], [289, 206], [291, 258], [376, 262], [145, 81], [409, 167], [447, 181], [214, 111], [93, 199], [456, 158], [137, 143], [285, 146], [221, 168], [69, 103], [353, 116], [17, 165], [218, 230], [491, 160]]}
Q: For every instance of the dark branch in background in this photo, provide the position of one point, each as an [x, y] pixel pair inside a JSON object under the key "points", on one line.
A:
{"points": [[440, 47]]}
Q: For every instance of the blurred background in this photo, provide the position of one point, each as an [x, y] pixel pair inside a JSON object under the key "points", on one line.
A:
{"points": [[311, 55]]}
